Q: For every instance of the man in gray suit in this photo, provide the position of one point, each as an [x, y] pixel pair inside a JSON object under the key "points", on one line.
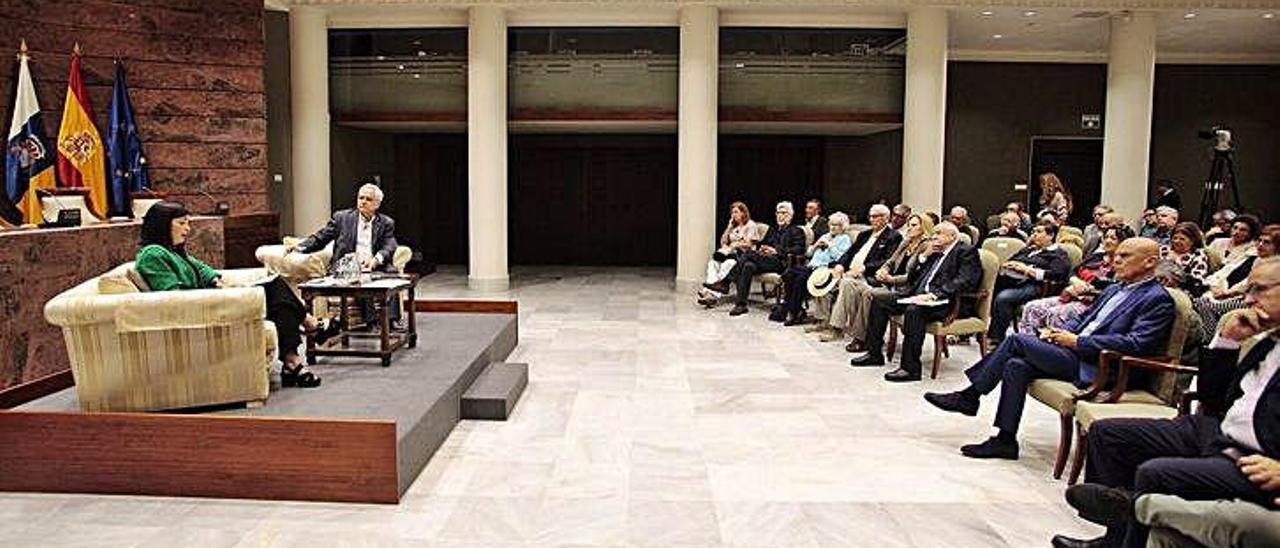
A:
{"points": [[370, 235]]}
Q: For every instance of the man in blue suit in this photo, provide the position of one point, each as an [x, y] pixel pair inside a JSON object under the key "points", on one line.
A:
{"points": [[1131, 317]]}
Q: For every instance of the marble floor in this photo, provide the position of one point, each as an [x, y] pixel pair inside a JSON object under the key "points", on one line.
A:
{"points": [[649, 421]]}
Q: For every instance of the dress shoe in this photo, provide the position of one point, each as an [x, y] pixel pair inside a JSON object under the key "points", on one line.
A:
{"points": [[855, 346], [718, 287], [955, 402], [901, 375], [1063, 541], [1108, 506], [778, 315], [993, 448], [867, 359], [738, 310], [798, 319]]}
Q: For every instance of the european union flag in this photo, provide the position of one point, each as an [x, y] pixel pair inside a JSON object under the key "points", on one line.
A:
{"points": [[127, 163]]}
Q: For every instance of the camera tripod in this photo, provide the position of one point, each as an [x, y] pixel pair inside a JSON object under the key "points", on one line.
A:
{"points": [[1222, 174]]}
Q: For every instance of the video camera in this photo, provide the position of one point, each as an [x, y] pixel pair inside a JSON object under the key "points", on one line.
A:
{"points": [[1220, 135]]}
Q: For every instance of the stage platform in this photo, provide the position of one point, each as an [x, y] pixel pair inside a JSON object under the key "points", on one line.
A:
{"points": [[362, 436]]}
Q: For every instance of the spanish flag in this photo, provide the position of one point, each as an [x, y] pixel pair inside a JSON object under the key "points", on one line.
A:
{"points": [[80, 151], [28, 158]]}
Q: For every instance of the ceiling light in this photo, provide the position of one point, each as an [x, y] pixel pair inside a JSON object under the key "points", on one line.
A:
{"points": [[1029, 13], [382, 57], [997, 36], [416, 75], [1268, 15], [400, 67], [987, 13], [1190, 15], [422, 53]]}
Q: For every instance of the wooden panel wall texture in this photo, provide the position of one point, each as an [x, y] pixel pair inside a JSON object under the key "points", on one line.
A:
{"points": [[195, 72]]}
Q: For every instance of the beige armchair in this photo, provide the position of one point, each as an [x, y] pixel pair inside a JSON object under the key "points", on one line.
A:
{"points": [[954, 324], [134, 350]]}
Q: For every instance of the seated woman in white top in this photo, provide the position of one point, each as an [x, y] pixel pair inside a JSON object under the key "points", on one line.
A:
{"points": [[740, 235]]}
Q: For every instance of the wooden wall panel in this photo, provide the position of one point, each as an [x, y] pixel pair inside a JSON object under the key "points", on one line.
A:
{"points": [[195, 74], [234, 457]]}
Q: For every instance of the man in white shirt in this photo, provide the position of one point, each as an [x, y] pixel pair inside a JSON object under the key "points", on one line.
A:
{"points": [[1196, 457]]}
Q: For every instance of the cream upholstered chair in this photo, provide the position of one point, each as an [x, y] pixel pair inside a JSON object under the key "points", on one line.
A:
{"points": [[1071, 235], [1215, 257], [1065, 398], [1003, 247], [954, 325], [1075, 255], [134, 350]]}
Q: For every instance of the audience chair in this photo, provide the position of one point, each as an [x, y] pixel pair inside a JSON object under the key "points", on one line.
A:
{"points": [[135, 350], [1065, 398], [953, 324], [1003, 247], [1215, 257], [1068, 232], [1075, 255]]}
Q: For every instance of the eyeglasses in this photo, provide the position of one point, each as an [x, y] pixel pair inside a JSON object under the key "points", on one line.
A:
{"points": [[1256, 289]]}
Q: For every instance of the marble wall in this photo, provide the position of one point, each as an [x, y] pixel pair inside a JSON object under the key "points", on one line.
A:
{"points": [[36, 265], [195, 73]]}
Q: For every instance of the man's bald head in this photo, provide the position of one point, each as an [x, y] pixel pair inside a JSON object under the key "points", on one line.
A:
{"points": [[1136, 259]]}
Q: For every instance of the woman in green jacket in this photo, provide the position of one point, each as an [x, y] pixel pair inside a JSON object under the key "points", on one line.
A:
{"points": [[165, 265]]}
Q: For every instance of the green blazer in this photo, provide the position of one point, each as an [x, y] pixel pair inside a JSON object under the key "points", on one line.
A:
{"points": [[165, 270]]}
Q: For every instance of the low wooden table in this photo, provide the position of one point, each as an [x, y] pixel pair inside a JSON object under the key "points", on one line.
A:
{"points": [[379, 290]]}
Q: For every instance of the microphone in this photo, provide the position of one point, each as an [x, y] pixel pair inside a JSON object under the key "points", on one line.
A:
{"points": [[219, 208]]}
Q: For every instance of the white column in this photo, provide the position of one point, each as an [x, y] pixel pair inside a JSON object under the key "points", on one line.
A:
{"points": [[698, 117], [309, 108], [487, 148], [924, 111], [1126, 145]]}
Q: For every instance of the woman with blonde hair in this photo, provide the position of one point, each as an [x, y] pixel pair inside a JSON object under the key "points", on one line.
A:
{"points": [[853, 303], [741, 234], [1055, 199]]}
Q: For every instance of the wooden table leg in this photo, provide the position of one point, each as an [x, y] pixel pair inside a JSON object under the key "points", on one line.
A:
{"points": [[385, 328], [413, 316], [308, 301]]}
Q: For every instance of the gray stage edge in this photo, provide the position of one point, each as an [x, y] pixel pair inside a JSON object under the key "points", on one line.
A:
{"points": [[495, 392]]}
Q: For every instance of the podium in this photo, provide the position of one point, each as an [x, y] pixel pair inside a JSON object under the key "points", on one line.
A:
{"points": [[54, 200]]}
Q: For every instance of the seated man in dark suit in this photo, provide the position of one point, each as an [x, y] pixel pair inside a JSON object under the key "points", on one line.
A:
{"points": [[370, 235], [1228, 451], [1023, 275], [1131, 317], [773, 254], [951, 270]]}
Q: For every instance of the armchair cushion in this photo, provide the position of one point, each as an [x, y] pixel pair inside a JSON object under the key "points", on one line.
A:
{"points": [[1088, 413]]}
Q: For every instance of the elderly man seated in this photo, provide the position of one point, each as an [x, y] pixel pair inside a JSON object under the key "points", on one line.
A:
{"points": [[827, 250], [951, 269], [960, 217], [1010, 223], [856, 269], [363, 232], [1166, 219], [1206, 456], [1021, 277], [1131, 317], [783, 241], [1093, 232]]}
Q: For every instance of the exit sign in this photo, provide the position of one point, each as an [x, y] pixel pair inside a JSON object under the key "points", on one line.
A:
{"points": [[1090, 121]]}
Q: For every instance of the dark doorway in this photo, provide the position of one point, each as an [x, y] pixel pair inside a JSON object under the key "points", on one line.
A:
{"points": [[592, 199], [762, 170], [1078, 163]]}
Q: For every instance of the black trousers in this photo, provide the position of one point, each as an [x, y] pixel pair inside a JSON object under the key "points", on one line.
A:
{"points": [[750, 264], [914, 320], [795, 282], [1181, 457], [286, 311], [1012, 366]]}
